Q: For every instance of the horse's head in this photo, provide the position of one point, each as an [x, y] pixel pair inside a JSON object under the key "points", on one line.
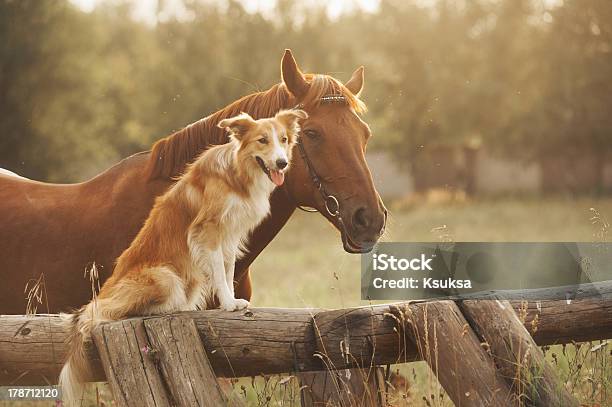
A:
{"points": [[329, 171]]}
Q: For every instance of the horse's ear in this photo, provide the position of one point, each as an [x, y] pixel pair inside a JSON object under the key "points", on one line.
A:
{"points": [[355, 84], [292, 76], [237, 125]]}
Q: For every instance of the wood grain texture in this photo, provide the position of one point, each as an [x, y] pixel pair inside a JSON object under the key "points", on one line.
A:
{"points": [[560, 321], [132, 374], [258, 340], [157, 362], [516, 354], [446, 342], [273, 340], [182, 362], [344, 387]]}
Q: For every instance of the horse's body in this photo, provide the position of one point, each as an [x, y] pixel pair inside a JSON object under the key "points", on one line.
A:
{"points": [[60, 230]]}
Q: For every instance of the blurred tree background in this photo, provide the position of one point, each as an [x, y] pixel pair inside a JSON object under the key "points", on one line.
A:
{"points": [[530, 79]]}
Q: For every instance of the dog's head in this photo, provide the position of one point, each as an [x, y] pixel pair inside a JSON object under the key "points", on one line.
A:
{"points": [[267, 142]]}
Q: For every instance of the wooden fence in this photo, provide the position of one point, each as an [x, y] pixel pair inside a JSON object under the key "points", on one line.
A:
{"points": [[480, 351]]}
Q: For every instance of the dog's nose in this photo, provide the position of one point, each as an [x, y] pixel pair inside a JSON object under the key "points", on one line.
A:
{"points": [[281, 163]]}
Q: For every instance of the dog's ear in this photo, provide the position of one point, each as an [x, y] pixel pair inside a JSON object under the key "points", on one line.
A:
{"points": [[290, 118], [237, 125]]}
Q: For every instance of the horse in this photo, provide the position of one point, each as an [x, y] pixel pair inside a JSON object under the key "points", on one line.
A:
{"points": [[51, 234]]}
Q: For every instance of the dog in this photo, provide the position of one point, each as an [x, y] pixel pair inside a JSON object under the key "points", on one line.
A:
{"points": [[184, 254]]}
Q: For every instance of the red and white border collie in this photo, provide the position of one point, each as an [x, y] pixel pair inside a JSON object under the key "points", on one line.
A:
{"points": [[185, 253]]}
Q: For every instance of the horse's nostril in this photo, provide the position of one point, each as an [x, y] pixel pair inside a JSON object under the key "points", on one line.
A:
{"points": [[281, 163], [360, 219]]}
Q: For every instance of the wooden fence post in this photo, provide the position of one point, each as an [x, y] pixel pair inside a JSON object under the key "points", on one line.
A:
{"points": [[333, 332], [157, 361], [516, 354], [454, 353], [345, 387]]}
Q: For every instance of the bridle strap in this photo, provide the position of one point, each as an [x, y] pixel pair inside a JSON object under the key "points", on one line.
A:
{"points": [[332, 206], [327, 198], [313, 175]]}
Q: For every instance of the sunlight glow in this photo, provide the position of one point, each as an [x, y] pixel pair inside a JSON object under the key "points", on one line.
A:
{"points": [[145, 10]]}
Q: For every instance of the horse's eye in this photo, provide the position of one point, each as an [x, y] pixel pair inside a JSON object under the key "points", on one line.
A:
{"points": [[311, 133], [284, 140], [263, 140]]}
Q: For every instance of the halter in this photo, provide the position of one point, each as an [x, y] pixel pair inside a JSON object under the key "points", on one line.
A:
{"points": [[334, 209], [332, 205], [327, 198]]}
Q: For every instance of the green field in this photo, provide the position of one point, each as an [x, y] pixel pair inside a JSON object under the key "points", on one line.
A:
{"points": [[305, 265]]}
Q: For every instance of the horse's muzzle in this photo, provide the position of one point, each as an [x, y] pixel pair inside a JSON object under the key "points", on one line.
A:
{"points": [[365, 233]]}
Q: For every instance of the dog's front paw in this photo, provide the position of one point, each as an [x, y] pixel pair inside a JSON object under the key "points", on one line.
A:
{"points": [[240, 303], [228, 306], [234, 304]]}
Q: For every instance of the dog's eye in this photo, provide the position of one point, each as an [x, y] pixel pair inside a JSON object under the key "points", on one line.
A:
{"points": [[284, 140], [263, 140]]}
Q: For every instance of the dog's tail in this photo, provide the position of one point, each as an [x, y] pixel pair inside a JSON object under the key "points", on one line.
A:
{"points": [[76, 371]]}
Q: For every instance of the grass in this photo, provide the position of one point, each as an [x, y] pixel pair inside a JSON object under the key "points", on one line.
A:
{"points": [[305, 266]]}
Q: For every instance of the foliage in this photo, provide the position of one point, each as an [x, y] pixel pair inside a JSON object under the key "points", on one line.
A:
{"points": [[79, 91]]}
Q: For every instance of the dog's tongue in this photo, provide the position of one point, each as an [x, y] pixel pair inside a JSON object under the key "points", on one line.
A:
{"points": [[277, 177]]}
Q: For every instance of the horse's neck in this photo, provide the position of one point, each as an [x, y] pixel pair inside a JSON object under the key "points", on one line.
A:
{"points": [[125, 184], [185, 145], [128, 194], [281, 209]]}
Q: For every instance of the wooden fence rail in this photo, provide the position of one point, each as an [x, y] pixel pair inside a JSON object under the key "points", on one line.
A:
{"points": [[270, 340]]}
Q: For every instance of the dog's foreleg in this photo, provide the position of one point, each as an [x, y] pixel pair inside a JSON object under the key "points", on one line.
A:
{"points": [[229, 258], [225, 296]]}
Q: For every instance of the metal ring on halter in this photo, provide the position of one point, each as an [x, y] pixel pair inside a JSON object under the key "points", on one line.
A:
{"points": [[333, 199]]}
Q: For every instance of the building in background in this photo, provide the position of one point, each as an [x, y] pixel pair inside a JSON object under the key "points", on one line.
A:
{"points": [[477, 171]]}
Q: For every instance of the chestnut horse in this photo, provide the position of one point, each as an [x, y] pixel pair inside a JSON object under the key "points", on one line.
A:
{"points": [[60, 230]]}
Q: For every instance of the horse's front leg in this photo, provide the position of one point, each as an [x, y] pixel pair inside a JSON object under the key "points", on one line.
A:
{"points": [[242, 278]]}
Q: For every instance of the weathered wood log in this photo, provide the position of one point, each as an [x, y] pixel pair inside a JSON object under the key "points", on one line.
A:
{"points": [[567, 292], [258, 340], [344, 387], [32, 348], [516, 354], [560, 321], [132, 375], [451, 349], [183, 362], [157, 361]]}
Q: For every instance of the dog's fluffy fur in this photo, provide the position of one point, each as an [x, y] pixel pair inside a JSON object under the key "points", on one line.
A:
{"points": [[185, 253]]}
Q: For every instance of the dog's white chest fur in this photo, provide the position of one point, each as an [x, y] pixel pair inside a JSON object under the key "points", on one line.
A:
{"points": [[243, 214]]}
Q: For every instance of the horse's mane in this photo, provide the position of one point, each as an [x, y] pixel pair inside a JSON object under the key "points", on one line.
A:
{"points": [[170, 155]]}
